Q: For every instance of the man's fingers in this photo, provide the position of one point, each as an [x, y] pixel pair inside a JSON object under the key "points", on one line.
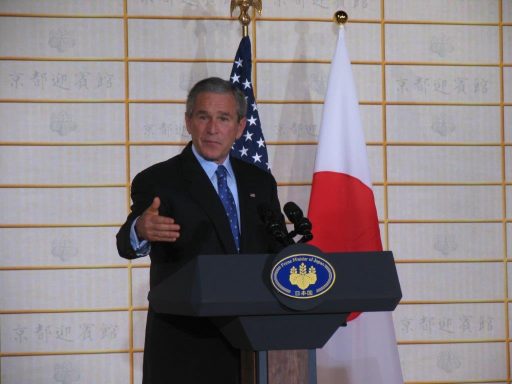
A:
{"points": [[153, 227], [168, 236], [166, 228], [161, 220]]}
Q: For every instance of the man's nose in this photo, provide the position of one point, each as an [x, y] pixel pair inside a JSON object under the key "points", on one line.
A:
{"points": [[211, 126]]}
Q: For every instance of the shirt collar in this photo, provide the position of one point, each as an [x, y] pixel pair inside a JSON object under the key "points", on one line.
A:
{"points": [[211, 166]]}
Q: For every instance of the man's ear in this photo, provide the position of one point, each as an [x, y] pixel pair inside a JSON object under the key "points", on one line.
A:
{"points": [[187, 122], [241, 127]]}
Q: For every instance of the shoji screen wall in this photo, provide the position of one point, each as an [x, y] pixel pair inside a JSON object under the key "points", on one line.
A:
{"points": [[91, 92]]}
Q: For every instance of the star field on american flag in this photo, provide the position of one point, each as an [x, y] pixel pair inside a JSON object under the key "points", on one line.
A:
{"points": [[251, 146]]}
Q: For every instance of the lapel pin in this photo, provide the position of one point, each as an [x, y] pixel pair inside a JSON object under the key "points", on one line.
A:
{"points": [[252, 195]]}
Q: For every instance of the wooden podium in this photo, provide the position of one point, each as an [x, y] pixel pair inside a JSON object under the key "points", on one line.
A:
{"points": [[275, 331]]}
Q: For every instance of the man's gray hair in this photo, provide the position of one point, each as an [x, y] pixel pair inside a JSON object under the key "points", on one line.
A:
{"points": [[217, 85]]}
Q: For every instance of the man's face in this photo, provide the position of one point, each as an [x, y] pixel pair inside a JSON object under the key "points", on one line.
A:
{"points": [[214, 125]]}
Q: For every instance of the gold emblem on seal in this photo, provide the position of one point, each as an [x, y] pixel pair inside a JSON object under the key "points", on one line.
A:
{"points": [[304, 278]]}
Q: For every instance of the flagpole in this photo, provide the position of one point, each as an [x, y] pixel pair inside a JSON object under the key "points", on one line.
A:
{"points": [[244, 17]]}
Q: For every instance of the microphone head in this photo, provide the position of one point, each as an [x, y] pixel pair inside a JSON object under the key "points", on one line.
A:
{"points": [[293, 212]]}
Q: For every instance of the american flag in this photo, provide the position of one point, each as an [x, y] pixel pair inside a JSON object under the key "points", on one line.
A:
{"points": [[251, 146]]}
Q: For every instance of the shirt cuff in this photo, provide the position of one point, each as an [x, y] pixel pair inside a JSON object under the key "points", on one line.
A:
{"points": [[141, 247]]}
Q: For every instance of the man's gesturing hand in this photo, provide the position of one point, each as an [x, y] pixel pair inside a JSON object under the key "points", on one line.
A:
{"points": [[153, 227]]}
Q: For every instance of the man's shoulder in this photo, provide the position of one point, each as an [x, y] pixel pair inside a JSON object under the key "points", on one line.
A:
{"points": [[254, 171], [168, 167], [162, 166]]}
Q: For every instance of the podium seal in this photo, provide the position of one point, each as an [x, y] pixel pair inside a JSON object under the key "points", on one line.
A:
{"points": [[300, 272]]}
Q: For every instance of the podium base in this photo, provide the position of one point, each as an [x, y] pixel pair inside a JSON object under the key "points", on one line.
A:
{"points": [[279, 367]]}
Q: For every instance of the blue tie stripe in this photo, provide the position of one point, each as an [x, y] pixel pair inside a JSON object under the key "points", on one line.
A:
{"points": [[228, 202]]}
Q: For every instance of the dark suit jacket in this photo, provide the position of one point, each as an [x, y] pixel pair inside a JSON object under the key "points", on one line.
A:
{"points": [[181, 349]]}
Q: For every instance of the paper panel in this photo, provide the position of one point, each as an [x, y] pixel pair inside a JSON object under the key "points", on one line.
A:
{"points": [[298, 194], [454, 362], [449, 322], [62, 165], [313, 40], [59, 246], [292, 163], [140, 286], [442, 43], [179, 8], [371, 118], [158, 122], [509, 273], [142, 157], [277, 8], [507, 11], [198, 39], [446, 241], [62, 122], [508, 124], [472, 124], [290, 122], [137, 367], [509, 239], [366, 9], [63, 7], [451, 281], [61, 80], [378, 193], [64, 332], [509, 201], [444, 202], [441, 10], [301, 122], [508, 160], [444, 164], [507, 80], [170, 81], [278, 81], [139, 328], [58, 289], [113, 368], [62, 205], [507, 44], [41, 37], [442, 84], [376, 163], [509, 316]]}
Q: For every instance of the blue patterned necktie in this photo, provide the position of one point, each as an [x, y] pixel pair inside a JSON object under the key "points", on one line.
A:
{"points": [[228, 202]]}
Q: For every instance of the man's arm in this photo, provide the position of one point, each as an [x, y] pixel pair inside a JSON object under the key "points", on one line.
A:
{"points": [[149, 224]]}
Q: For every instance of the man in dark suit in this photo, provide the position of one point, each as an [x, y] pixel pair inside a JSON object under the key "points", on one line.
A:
{"points": [[177, 213]]}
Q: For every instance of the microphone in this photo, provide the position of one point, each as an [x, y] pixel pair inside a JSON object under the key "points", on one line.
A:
{"points": [[302, 225], [274, 224]]}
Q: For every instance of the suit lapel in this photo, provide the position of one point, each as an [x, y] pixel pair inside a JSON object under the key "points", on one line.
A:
{"points": [[201, 190], [246, 199]]}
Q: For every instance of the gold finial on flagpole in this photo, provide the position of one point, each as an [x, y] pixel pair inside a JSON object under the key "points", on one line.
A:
{"points": [[341, 17], [244, 17]]}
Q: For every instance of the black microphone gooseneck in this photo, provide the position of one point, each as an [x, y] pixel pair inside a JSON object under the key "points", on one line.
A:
{"points": [[274, 224], [302, 225]]}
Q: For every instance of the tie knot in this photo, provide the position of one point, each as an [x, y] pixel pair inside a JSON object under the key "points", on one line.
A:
{"points": [[221, 172]]}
